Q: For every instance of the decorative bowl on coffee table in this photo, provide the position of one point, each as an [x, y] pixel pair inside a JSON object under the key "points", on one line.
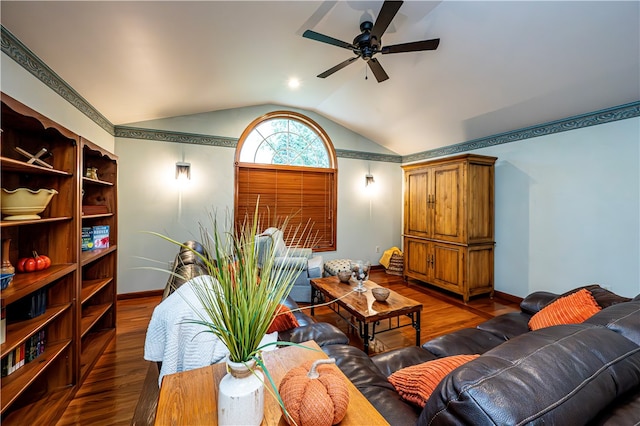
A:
{"points": [[344, 276], [380, 293]]}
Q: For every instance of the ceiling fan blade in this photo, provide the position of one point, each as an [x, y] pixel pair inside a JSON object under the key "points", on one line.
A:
{"points": [[338, 67], [377, 70], [414, 46], [386, 15], [326, 39]]}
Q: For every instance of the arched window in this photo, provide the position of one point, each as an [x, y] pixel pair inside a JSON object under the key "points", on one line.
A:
{"points": [[288, 161]]}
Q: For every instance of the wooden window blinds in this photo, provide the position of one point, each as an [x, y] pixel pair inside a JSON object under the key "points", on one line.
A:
{"points": [[300, 193]]}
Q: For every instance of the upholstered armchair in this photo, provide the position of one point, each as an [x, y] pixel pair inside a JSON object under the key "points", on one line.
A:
{"points": [[303, 259]]}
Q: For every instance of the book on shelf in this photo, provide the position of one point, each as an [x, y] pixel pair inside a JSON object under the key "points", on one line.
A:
{"points": [[3, 324], [23, 354], [28, 307], [101, 236], [87, 238]]}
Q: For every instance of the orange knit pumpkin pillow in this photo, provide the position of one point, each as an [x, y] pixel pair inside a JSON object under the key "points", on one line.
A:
{"points": [[283, 320], [417, 382], [315, 394], [572, 309]]}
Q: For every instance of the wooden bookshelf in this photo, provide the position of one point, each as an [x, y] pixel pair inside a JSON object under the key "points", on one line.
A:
{"points": [[80, 287]]}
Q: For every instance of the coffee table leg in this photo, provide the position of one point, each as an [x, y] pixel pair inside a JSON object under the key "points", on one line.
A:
{"points": [[365, 338], [314, 297], [417, 327]]}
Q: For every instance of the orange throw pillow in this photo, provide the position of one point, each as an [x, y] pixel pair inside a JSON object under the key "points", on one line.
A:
{"points": [[571, 309], [416, 383], [284, 320]]}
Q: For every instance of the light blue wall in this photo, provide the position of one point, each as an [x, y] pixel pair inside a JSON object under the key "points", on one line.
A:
{"points": [[152, 201], [568, 210]]}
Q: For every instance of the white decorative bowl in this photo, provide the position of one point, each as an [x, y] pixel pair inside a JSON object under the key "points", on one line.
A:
{"points": [[25, 204]]}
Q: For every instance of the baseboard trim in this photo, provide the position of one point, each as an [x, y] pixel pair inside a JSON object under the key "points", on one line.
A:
{"points": [[140, 294], [508, 297]]}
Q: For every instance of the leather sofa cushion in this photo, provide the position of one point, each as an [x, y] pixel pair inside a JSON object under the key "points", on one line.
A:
{"points": [[507, 326], [464, 341], [394, 360], [557, 375], [622, 318], [536, 301], [373, 384], [323, 333]]}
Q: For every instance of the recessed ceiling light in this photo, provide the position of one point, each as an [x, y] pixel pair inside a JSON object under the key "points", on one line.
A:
{"points": [[294, 83]]}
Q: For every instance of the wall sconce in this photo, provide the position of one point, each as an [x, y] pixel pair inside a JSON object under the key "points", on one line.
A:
{"points": [[368, 179], [183, 171]]}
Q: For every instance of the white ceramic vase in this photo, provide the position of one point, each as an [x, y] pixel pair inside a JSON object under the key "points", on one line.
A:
{"points": [[241, 395]]}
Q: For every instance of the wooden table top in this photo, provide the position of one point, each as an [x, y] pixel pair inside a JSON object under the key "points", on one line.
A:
{"points": [[363, 305], [191, 397]]}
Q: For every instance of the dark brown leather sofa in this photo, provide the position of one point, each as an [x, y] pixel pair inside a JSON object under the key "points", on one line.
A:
{"points": [[577, 374], [585, 373]]}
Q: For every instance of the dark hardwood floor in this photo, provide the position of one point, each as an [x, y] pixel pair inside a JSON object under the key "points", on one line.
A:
{"points": [[111, 391]]}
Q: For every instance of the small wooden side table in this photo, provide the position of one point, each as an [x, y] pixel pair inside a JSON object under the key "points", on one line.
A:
{"points": [[191, 397]]}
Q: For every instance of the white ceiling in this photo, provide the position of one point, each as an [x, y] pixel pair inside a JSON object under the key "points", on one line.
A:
{"points": [[500, 65]]}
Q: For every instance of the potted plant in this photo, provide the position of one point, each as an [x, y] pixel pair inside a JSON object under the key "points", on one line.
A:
{"points": [[241, 294]]}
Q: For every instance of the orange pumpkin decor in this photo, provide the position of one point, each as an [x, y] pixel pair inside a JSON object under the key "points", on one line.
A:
{"points": [[315, 394]]}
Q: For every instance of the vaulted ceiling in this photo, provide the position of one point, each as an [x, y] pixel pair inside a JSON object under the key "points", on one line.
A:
{"points": [[500, 65]]}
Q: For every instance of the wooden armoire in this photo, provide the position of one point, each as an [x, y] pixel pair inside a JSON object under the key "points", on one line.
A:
{"points": [[449, 223]]}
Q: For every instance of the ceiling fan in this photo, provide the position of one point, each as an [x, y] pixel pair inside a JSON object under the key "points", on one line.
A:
{"points": [[369, 42]]}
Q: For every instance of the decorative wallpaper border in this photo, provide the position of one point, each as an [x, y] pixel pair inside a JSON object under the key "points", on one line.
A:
{"points": [[171, 136], [608, 115], [17, 51], [226, 142], [14, 48]]}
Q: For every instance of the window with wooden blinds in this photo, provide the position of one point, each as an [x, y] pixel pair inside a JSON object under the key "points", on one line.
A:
{"points": [[288, 160], [303, 195]]}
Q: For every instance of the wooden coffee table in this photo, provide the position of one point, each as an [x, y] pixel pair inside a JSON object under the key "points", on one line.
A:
{"points": [[365, 308], [191, 397]]}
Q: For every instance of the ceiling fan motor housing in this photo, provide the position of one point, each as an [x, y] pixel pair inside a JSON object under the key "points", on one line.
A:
{"points": [[366, 44]]}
